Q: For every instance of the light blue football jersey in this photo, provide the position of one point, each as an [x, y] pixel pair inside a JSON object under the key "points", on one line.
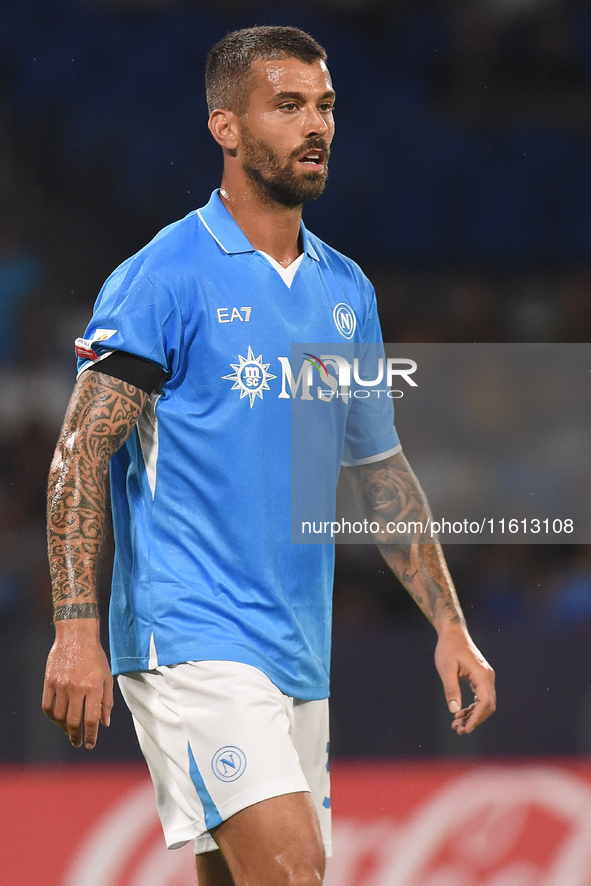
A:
{"points": [[204, 565]]}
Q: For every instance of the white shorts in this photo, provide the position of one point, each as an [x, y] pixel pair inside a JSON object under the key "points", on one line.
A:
{"points": [[218, 736]]}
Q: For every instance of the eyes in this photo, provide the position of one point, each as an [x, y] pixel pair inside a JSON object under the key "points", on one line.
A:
{"points": [[325, 107]]}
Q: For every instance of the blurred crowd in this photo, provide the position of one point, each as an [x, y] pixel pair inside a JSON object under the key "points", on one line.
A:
{"points": [[461, 181]]}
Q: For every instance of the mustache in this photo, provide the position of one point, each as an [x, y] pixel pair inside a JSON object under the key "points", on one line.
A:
{"points": [[313, 143]]}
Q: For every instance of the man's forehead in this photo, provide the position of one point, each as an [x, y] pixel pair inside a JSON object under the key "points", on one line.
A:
{"points": [[291, 75]]}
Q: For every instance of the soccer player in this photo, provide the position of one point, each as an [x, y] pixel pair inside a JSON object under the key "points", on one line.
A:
{"points": [[219, 626]]}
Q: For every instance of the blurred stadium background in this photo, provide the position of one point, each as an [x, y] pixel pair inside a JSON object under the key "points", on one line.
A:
{"points": [[460, 181]]}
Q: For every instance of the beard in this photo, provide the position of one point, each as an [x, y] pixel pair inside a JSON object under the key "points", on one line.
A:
{"points": [[278, 182]]}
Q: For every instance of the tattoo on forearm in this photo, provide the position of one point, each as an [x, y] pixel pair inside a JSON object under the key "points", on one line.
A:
{"points": [[409, 577], [389, 492], [102, 413], [76, 610]]}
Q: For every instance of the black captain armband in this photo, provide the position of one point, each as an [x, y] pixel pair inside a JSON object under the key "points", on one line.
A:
{"points": [[136, 371]]}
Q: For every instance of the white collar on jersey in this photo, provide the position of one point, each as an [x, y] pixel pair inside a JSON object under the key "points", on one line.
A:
{"points": [[224, 230], [287, 274]]}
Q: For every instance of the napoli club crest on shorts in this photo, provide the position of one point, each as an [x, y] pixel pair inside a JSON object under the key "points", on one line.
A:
{"points": [[228, 763]]}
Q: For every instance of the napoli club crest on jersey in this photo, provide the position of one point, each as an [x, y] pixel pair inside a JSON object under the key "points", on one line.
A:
{"points": [[250, 376], [345, 320]]}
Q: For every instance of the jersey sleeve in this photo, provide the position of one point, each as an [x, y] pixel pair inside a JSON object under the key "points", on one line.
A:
{"points": [[137, 313], [370, 433]]}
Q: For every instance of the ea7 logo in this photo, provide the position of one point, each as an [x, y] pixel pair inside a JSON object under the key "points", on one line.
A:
{"points": [[242, 314]]}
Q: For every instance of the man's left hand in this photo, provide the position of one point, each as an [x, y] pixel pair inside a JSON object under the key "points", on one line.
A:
{"points": [[457, 658]]}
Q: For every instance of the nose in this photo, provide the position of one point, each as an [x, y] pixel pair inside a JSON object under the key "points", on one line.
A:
{"points": [[315, 122]]}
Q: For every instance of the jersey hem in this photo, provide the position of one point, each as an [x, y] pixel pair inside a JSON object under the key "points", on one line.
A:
{"points": [[314, 692], [372, 458]]}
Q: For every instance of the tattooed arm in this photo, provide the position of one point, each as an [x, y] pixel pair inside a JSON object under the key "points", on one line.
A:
{"points": [[388, 492], [78, 689]]}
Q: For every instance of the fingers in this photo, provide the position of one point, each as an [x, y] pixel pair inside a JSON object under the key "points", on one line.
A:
{"points": [[467, 719], [462, 722], [48, 702], [457, 658], [449, 674], [78, 712], [92, 712], [74, 719], [55, 707], [453, 695], [448, 665], [482, 681], [107, 703], [78, 688], [97, 709], [66, 711]]}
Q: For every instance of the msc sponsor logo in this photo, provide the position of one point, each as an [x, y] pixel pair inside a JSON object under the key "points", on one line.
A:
{"points": [[228, 763], [250, 376]]}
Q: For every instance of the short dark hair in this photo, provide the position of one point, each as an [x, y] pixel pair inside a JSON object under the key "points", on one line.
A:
{"points": [[228, 72]]}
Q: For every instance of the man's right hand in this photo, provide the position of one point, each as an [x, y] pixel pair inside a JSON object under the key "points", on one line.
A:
{"points": [[78, 688]]}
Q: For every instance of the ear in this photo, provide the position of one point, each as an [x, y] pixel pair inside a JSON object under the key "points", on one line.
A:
{"points": [[225, 127]]}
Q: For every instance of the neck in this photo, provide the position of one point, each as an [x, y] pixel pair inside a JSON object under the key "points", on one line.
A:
{"points": [[270, 227]]}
